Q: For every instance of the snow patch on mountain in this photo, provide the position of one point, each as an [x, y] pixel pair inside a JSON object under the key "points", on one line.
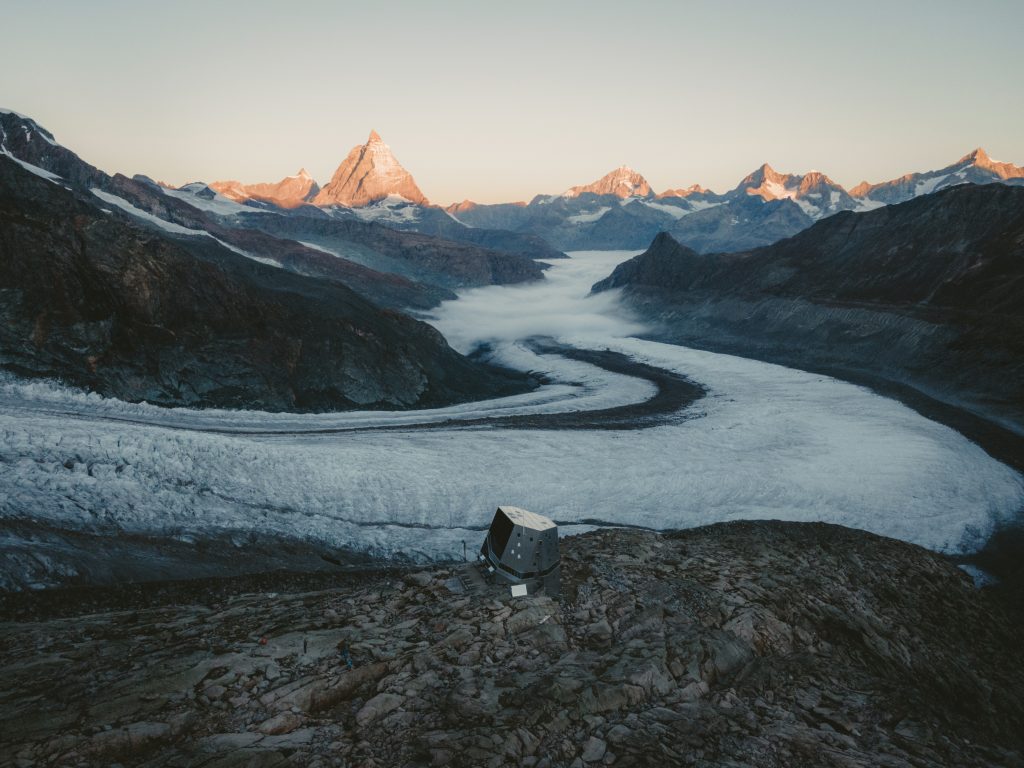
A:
{"points": [[218, 205], [927, 186], [588, 216], [675, 211], [42, 172], [392, 209], [172, 228]]}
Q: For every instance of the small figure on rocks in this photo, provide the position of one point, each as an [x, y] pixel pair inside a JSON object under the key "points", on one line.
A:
{"points": [[346, 657]]}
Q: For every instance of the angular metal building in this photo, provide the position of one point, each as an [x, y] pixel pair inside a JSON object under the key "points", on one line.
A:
{"points": [[521, 550]]}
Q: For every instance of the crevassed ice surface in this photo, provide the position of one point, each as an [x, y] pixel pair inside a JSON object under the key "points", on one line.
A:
{"points": [[766, 442]]}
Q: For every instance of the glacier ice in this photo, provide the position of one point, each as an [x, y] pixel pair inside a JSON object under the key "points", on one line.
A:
{"points": [[766, 442]]}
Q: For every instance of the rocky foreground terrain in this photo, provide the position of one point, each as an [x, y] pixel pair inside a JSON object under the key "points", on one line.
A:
{"points": [[767, 644]]}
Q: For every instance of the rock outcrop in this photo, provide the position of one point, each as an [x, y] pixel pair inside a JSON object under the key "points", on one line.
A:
{"points": [[369, 173], [290, 192], [741, 644]]}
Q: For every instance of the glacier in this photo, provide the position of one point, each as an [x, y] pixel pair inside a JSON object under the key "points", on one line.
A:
{"points": [[765, 442]]}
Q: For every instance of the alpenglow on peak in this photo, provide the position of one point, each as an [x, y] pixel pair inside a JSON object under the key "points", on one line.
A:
{"points": [[622, 182], [369, 173]]}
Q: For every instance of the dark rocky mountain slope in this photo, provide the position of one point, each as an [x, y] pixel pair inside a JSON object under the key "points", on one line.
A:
{"points": [[742, 223], [445, 264], [92, 297], [740, 644], [928, 293], [391, 268]]}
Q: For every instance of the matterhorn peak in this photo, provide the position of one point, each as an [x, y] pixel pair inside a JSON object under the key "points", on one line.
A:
{"points": [[369, 173], [977, 157]]}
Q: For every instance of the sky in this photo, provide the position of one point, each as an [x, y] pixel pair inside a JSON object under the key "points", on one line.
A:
{"points": [[500, 101]]}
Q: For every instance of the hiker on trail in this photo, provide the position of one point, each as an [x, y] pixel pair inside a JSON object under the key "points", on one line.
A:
{"points": [[346, 657]]}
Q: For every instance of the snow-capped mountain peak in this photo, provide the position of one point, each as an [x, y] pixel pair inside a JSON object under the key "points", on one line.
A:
{"points": [[623, 182], [979, 158], [816, 194], [369, 173], [976, 167]]}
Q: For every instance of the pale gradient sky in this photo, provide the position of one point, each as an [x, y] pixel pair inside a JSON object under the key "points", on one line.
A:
{"points": [[497, 102]]}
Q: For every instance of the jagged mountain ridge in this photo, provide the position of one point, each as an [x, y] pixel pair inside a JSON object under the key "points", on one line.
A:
{"points": [[601, 215], [588, 216], [975, 167], [290, 192], [816, 194]]}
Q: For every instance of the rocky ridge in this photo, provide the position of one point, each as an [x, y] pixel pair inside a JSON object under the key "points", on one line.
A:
{"points": [[816, 194], [741, 644], [290, 192], [975, 167], [620, 211], [622, 182]]}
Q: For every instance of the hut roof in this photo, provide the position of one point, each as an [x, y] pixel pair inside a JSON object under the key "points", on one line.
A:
{"points": [[527, 519]]}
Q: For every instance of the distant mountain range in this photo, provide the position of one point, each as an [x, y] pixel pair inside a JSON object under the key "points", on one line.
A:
{"points": [[618, 211], [927, 293], [145, 293]]}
